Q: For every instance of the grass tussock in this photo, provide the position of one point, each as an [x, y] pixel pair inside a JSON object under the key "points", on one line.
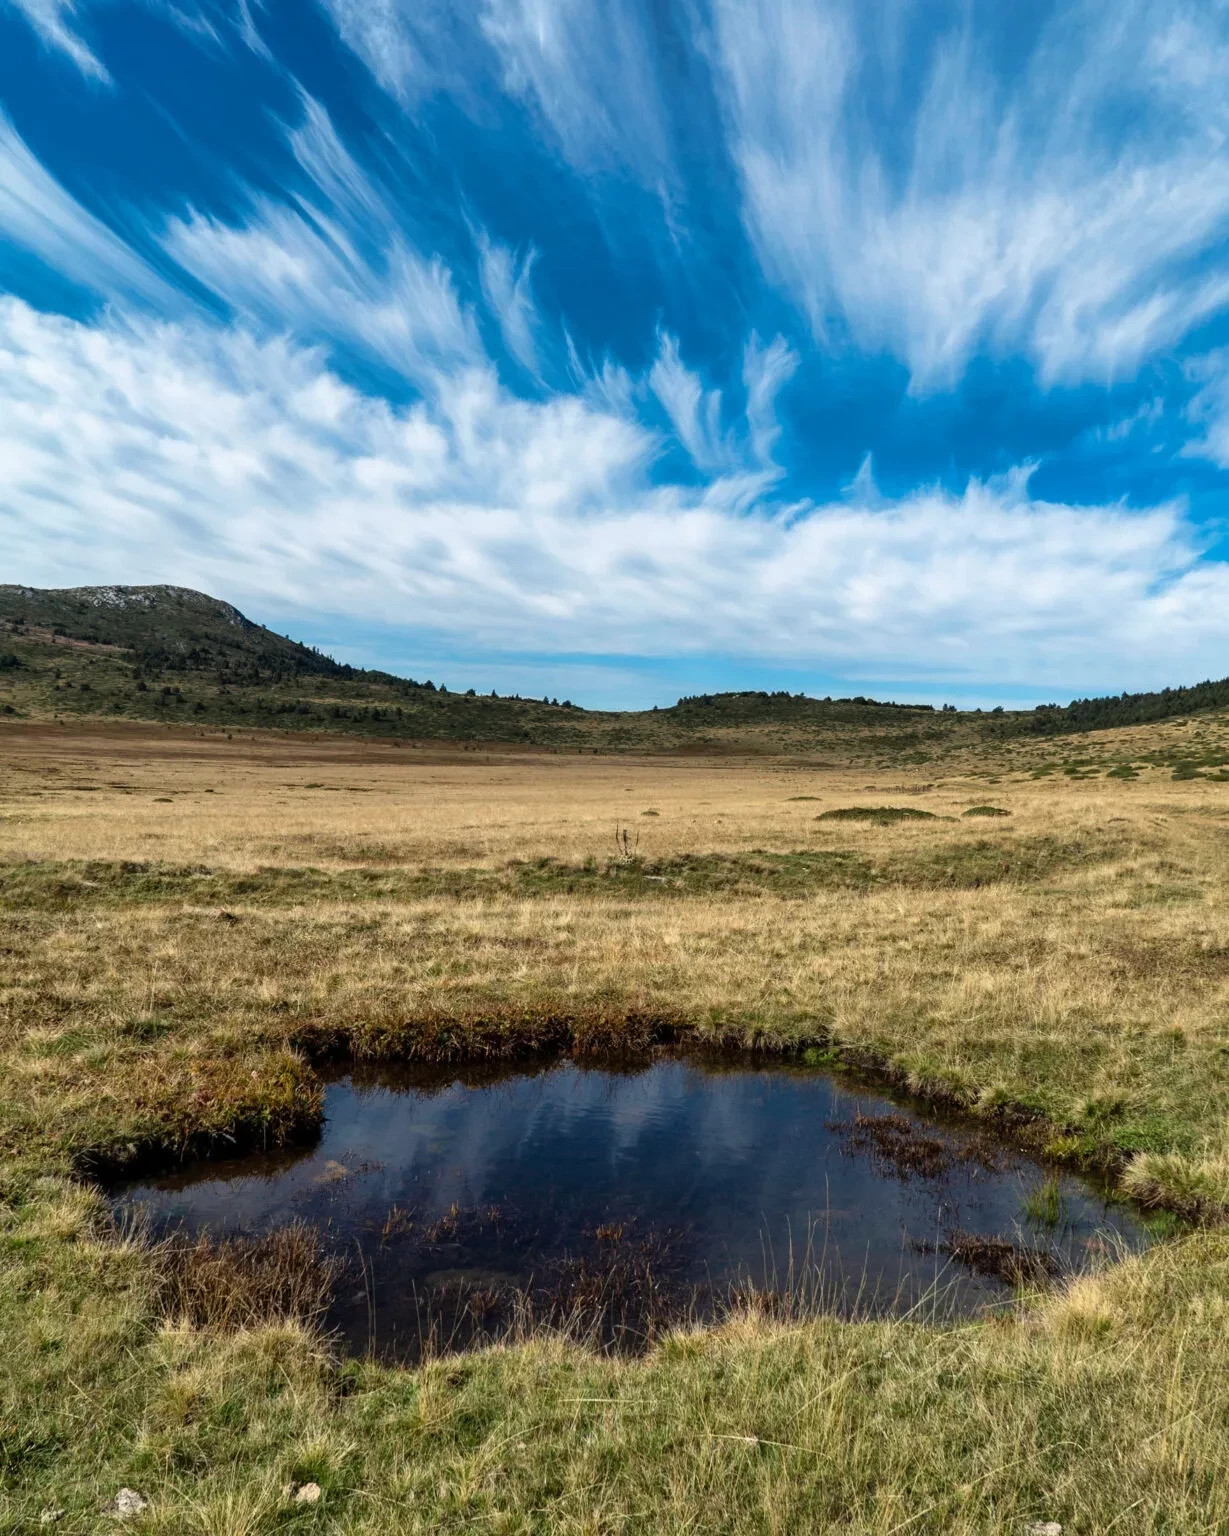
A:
{"points": [[1197, 1186], [226, 1283], [880, 815]]}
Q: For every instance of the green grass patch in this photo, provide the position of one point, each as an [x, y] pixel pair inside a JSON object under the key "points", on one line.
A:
{"points": [[879, 815], [65, 885], [1044, 1206]]}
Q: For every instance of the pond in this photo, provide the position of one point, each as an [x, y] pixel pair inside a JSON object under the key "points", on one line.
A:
{"points": [[621, 1200]]}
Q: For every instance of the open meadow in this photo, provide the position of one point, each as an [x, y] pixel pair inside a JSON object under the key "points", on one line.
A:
{"points": [[194, 922]]}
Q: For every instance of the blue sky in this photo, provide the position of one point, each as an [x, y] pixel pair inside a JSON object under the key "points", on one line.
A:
{"points": [[625, 349]]}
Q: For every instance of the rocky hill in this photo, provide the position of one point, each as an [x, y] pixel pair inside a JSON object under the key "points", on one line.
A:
{"points": [[174, 655]]}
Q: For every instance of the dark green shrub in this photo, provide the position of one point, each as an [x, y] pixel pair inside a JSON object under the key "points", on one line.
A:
{"points": [[881, 815]]}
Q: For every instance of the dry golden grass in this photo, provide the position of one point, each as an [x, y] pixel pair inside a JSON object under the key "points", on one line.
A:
{"points": [[135, 792]]}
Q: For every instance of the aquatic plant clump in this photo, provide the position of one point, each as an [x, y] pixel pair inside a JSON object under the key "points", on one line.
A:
{"points": [[285, 1275]]}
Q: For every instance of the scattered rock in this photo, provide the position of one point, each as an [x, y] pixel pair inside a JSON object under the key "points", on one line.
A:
{"points": [[50, 1516], [1044, 1528], [301, 1493], [128, 1502]]}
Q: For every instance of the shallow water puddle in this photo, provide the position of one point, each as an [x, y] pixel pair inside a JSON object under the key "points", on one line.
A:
{"points": [[623, 1200]]}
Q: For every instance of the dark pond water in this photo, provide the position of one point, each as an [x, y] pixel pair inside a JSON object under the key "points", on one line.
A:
{"points": [[629, 1198]]}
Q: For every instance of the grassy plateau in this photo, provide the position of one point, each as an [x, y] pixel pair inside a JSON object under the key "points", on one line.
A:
{"points": [[194, 916]]}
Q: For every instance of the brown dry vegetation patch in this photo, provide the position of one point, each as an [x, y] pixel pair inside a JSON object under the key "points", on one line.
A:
{"points": [[228, 1283], [1002, 1260], [906, 1150]]}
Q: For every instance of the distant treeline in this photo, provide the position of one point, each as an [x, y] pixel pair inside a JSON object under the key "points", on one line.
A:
{"points": [[1116, 710], [755, 695]]}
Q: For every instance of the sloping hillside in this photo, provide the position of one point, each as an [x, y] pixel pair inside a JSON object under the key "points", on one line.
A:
{"points": [[177, 656], [165, 629], [167, 653]]}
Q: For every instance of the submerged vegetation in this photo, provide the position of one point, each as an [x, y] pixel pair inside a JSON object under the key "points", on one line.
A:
{"points": [[1044, 1206], [232, 1283]]}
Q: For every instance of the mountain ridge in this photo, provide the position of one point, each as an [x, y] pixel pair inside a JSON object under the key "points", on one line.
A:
{"points": [[165, 652]]}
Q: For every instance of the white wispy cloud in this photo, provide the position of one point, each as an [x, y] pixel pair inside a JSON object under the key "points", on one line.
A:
{"points": [[233, 457], [412, 47], [1208, 408], [505, 280], [379, 32], [592, 74], [914, 189], [144, 451], [332, 263], [53, 21], [288, 271], [58, 25], [698, 417], [766, 371], [247, 19], [694, 412], [1062, 208], [39, 215], [329, 262]]}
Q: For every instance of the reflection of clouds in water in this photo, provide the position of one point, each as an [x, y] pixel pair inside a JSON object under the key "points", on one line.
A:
{"points": [[746, 1163]]}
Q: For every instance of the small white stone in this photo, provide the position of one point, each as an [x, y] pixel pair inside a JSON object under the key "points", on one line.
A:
{"points": [[128, 1502], [1044, 1528], [308, 1494], [50, 1516]]}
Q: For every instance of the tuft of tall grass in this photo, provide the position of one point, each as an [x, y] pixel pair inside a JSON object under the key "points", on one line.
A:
{"points": [[1197, 1187], [227, 1283], [1044, 1206]]}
